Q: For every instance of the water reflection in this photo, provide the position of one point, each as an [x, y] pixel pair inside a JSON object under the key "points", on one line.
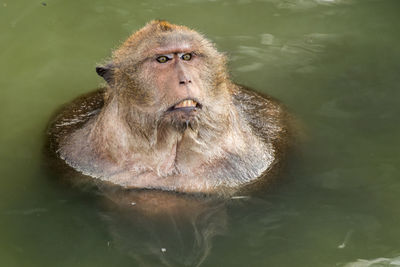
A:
{"points": [[163, 229], [151, 227]]}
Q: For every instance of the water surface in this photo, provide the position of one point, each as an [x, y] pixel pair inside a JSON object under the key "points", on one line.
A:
{"points": [[334, 63]]}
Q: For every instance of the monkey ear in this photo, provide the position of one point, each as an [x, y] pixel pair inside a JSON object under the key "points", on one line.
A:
{"points": [[106, 72]]}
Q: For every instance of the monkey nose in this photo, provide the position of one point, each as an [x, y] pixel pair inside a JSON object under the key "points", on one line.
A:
{"points": [[184, 81]]}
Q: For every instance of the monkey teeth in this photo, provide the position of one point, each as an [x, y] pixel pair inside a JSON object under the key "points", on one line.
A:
{"points": [[185, 104]]}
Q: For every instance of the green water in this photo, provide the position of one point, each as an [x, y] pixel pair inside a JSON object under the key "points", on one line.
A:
{"points": [[335, 64]]}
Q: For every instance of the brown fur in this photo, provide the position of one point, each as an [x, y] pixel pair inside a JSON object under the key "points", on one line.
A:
{"points": [[130, 137]]}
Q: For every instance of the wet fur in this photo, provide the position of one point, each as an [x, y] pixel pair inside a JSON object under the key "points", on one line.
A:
{"points": [[123, 135]]}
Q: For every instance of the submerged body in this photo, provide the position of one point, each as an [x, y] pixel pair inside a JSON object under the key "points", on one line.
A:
{"points": [[171, 119]]}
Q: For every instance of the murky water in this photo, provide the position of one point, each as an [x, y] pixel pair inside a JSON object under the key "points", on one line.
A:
{"points": [[334, 63]]}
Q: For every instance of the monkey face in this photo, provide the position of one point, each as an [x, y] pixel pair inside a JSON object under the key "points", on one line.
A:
{"points": [[178, 80], [173, 77], [168, 74]]}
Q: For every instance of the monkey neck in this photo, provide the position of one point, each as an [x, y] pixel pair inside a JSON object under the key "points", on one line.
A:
{"points": [[128, 138]]}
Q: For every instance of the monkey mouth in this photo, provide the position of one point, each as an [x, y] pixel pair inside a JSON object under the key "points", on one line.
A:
{"points": [[186, 105], [184, 114]]}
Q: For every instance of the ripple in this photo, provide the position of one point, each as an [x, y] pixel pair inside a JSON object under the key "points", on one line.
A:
{"points": [[297, 54], [33, 211], [375, 262], [267, 39], [251, 67], [303, 4]]}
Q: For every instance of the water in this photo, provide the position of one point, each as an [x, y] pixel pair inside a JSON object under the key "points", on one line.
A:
{"points": [[334, 63]]}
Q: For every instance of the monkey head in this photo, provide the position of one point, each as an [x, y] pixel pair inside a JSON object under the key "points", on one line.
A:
{"points": [[168, 75]]}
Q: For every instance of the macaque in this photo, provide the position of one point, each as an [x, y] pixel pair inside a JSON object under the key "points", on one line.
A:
{"points": [[170, 119]]}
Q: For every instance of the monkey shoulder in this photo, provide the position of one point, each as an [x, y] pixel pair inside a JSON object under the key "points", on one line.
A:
{"points": [[266, 116], [74, 115], [271, 123]]}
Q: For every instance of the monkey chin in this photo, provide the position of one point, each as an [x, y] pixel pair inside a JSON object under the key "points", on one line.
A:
{"points": [[182, 119]]}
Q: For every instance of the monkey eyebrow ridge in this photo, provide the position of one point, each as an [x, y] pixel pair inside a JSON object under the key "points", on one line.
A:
{"points": [[169, 56]]}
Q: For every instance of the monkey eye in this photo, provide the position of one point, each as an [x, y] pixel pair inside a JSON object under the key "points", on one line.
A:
{"points": [[162, 59], [187, 56]]}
